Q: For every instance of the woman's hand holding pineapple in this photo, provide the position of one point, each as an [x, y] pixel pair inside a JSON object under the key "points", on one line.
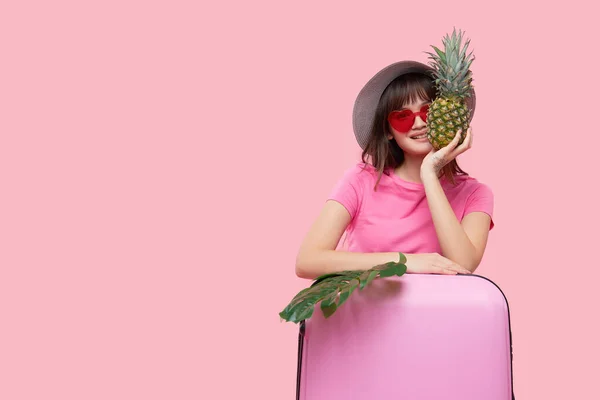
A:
{"points": [[436, 160]]}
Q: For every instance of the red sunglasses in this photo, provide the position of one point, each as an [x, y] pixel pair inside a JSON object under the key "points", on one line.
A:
{"points": [[403, 121]]}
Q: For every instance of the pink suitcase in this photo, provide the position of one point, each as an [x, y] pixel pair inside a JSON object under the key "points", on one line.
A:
{"points": [[415, 337]]}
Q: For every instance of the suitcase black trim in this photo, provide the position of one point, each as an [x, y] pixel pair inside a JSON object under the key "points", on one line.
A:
{"points": [[302, 330], [512, 387]]}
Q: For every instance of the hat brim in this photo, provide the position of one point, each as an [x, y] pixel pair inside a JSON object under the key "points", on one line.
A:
{"points": [[367, 100]]}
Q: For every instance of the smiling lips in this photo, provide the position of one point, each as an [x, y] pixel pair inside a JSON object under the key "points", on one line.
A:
{"points": [[419, 136]]}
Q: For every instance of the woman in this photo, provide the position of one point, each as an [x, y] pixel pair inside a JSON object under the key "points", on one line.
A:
{"points": [[403, 197]]}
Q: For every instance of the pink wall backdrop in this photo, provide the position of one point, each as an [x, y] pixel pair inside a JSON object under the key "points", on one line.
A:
{"points": [[160, 162]]}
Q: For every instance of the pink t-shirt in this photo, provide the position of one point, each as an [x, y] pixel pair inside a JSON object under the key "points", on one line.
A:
{"points": [[396, 217]]}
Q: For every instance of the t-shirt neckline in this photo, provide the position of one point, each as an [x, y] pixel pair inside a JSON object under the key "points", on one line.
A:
{"points": [[416, 185]]}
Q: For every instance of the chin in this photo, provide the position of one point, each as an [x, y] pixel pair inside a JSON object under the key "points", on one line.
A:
{"points": [[416, 149]]}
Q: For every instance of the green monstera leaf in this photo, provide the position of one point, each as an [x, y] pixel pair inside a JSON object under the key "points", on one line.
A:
{"points": [[332, 290]]}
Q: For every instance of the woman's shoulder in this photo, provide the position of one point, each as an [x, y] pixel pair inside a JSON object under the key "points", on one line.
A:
{"points": [[470, 184], [351, 188], [360, 172]]}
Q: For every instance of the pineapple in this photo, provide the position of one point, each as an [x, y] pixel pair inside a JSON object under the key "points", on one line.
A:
{"points": [[449, 112]]}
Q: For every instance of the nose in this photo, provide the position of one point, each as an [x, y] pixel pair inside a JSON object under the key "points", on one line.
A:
{"points": [[419, 123]]}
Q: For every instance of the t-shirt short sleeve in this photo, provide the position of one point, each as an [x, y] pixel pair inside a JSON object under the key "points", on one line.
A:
{"points": [[348, 190], [482, 200]]}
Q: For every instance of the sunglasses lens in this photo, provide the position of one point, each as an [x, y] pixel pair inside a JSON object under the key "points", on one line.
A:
{"points": [[424, 111], [401, 121]]}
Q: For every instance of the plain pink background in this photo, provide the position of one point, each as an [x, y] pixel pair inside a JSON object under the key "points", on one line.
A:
{"points": [[160, 163]]}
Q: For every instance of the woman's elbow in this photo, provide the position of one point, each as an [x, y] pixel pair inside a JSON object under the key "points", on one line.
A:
{"points": [[472, 263], [304, 266], [302, 273]]}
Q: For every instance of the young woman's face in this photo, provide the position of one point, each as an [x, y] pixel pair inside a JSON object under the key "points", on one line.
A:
{"points": [[409, 128]]}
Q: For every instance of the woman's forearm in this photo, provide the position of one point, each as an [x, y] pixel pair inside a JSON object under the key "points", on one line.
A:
{"points": [[453, 239], [314, 263]]}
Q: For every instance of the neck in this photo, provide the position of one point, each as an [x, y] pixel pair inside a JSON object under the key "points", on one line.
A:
{"points": [[410, 169]]}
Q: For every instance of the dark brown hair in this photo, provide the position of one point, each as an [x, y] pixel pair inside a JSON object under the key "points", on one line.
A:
{"points": [[384, 153]]}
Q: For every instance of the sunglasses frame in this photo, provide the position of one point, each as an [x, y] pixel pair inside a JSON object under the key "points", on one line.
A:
{"points": [[404, 123]]}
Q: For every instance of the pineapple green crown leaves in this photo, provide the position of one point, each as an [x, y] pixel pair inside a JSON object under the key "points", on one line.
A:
{"points": [[451, 66]]}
